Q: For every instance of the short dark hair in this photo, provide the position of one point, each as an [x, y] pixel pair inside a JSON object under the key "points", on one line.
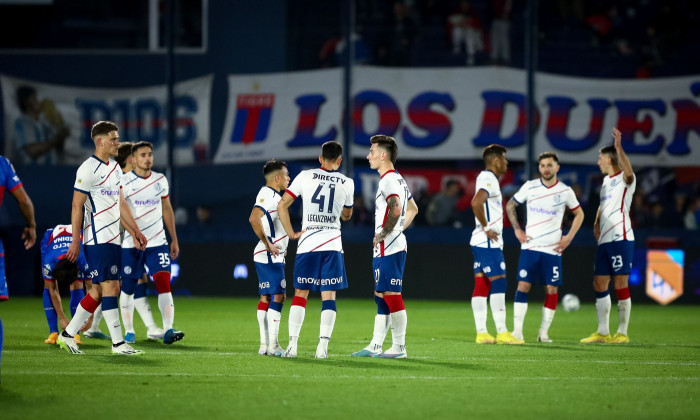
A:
{"points": [[123, 152], [491, 151], [388, 144], [273, 165], [140, 145], [23, 94], [612, 152], [65, 271], [103, 127], [548, 155], [331, 150]]}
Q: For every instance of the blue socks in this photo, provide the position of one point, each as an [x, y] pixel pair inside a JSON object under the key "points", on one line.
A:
{"points": [[51, 317]]}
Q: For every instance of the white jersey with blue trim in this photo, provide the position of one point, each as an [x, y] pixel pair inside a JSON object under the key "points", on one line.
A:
{"points": [[324, 194], [493, 210], [615, 201], [267, 201], [101, 182], [390, 184], [143, 195], [545, 211]]}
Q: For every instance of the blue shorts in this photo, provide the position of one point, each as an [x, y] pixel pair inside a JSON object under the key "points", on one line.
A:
{"points": [[320, 271], [104, 262], [388, 272], [489, 261], [4, 293], [539, 268], [134, 261], [271, 278], [614, 258]]}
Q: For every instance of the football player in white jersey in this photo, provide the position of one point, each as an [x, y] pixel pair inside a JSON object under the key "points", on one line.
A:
{"points": [[269, 255], [542, 240], [98, 209], [133, 295], [487, 246], [613, 231], [148, 195], [394, 211], [319, 265]]}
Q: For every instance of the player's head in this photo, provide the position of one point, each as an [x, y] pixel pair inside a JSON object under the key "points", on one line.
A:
{"points": [[276, 174], [331, 155], [607, 159], [105, 134], [27, 99], [142, 154], [383, 150], [549, 165], [123, 156], [65, 271], [495, 159]]}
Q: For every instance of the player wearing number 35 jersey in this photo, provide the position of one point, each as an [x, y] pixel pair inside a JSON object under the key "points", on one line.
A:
{"points": [[613, 230], [327, 198]]}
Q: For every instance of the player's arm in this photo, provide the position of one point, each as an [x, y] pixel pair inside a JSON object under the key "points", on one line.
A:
{"points": [[596, 225], [411, 212], [27, 208], [346, 214], [566, 239], [393, 207], [127, 220], [255, 221], [76, 221], [625, 163], [513, 217], [52, 287], [283, 213], [478, 207], [169, 219]]}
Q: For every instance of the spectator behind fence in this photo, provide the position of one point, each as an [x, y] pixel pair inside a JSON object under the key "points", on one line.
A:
{"points": [[443, 206], [465, 28]]}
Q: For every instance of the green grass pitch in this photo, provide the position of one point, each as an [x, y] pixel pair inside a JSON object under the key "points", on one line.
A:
{"points": [[215, 371]]}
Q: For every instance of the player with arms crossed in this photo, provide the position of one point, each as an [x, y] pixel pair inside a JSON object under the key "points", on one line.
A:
{"points": [[542, 242], [487, 246], [613, 231], [269, 255], [99, 198], [148, 195], [134, 295], [394, 211], [320, 265]]}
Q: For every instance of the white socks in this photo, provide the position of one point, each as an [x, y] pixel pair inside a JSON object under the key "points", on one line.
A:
{"points": [[262, 323], [96, 319], [273, 326], [623, 309], [167, 309], [398, 330], [547, 317], [480, 309], [115, 328], [296, 320], [126, 305], [144, 309], [602, 308], [498, 310], [519, 311], [381, 326]]}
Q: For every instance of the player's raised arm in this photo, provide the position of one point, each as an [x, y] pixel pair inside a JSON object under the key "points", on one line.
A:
{"points": [[411, 212], [169, 219], [76, 221], [27, 209], [283, 212], [127, 220], [478, 207], [622, 158], [256, 223]]}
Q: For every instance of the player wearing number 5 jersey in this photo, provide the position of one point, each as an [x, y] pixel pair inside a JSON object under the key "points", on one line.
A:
{"points": [[613, 230], [148, 195], [394, 211], [327, 198], [542, 242]]}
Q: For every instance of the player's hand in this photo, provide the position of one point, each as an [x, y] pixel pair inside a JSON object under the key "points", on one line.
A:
{"points": [[493, 236], [596, 231], [272, 248], [140, 241], [522, 236], [29, 236], [563, 244], [87, 324], [174, 250], [378, 238], [63, 323], [73, 251], [296, 235], [617, 135]]}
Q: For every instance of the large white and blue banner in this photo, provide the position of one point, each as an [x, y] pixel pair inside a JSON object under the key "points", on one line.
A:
{"points": [[70, 112], [455, 113]]}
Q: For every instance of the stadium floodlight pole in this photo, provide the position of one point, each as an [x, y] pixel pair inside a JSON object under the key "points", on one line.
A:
{"points": [[531, 30], [170, 84], [347, 13]]}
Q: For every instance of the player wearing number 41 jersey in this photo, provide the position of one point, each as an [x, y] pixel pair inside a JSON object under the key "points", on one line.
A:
{"points": [[613, 231], [542, 242], [327, 198], [147, 194]]}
